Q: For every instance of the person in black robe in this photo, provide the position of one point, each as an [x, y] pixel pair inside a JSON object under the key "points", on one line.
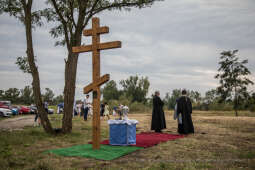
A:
{"points": [[102, 109], [184, 107], [158, 121]]}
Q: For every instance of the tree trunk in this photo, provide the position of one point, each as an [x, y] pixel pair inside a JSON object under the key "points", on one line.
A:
{"points": [[235, 102], [34, 71], [70, 79], [69, 92]]}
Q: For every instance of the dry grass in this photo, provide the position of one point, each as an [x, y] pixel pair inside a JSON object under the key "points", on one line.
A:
{"points": [[221, 141]]}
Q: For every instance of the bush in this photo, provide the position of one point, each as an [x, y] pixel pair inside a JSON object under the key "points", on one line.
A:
{"points": [[252, 108], [220, 106], [139, 107]]}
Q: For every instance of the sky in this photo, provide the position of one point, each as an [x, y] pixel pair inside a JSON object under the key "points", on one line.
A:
{"points": [[176, 44]]}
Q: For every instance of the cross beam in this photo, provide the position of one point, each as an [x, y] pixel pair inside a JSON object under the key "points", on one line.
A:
{"points": [[94, 85], [101, 46], [97, 80]]}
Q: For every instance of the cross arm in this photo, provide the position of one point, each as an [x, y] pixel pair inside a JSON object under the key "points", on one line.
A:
{"points": [[94, 85], [100, 30], [109, 45], [83, 48], [101, 46]]}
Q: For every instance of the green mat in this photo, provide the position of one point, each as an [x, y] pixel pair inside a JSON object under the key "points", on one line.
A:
{"points": [[106, 152]]}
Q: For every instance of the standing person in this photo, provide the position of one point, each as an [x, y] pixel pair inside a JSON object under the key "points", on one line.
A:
{"points": [[46, 106], [79, 108], [158, 121], [184, 107], [106, 110], [114, 111], [36, 120], [102, 106], [86, 107]]}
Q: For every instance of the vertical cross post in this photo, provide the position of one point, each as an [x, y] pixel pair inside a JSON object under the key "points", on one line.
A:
{"points": [[96, 76], [97, 80]]}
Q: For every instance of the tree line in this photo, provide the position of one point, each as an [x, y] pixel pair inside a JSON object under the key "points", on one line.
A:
{"points": [[25, 96], [132, 92], [211, 101], [231, 94]]}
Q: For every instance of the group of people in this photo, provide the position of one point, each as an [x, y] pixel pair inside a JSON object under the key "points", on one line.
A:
{"points": [[86, 108], [183, 111]]}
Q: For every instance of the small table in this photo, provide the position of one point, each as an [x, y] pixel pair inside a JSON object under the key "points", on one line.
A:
{"points": [[122, 132]]}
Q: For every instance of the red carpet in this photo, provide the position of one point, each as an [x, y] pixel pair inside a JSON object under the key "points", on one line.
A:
{"points": [[148, 139]]}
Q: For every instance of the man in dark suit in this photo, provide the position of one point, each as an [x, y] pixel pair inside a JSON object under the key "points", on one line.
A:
{"points": [[158, 121], [184, 107]]}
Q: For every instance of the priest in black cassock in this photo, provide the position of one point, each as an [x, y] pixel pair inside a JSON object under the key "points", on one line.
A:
{"points": [[158, 121], [184, 107]]}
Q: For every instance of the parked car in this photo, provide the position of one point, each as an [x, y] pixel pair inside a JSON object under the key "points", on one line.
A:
{"points": [[15, 110], [24, 110], [33, 109], [5, 112], [5, 104]]}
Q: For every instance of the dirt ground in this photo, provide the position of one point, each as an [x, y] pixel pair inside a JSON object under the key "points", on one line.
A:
{"points": [[17, 123]]}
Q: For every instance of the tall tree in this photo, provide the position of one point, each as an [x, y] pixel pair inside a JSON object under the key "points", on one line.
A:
{"points": [[72, 17], [233, 78], [210, 96], [171, 99], [26, 95], [1, 94], [22, 10], [12, 94], [110, 91], [48, 95], [136, 88], [58, 99]]}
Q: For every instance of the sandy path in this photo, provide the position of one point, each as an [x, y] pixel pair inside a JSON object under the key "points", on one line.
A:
{"points": [[17, 123]]}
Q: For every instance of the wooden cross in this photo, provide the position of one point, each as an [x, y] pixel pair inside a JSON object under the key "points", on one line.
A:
{"points": [[97, 80]]}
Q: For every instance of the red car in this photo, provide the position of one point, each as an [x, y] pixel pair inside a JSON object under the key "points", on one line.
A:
{"points": [[24, 110], [4, 105]]}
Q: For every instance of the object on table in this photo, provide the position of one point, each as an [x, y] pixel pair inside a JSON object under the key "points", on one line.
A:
{"points": [[122, 132]]}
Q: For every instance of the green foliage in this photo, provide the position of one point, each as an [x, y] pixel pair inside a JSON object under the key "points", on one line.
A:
{"points": [[12, 94], [134, 93], [233, 78], [16, 8], [48, 95], [110, 91], [22, 63], [139, 107], [136, 88], [58, 99], [170, 100], [74, 15], [27, 95]]}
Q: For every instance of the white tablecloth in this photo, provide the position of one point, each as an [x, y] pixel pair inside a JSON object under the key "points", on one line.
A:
{"points": [[124, 121]]}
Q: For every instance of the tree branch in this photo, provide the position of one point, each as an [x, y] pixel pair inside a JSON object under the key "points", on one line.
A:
{"points": [[71, 15], [90, 14], [115, 5], [63, 22]]}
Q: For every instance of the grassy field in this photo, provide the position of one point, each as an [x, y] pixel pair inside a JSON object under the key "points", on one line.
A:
{"points": [[221, 141]]}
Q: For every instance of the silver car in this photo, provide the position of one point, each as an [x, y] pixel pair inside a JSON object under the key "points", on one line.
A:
{"points": [[5, 112]]}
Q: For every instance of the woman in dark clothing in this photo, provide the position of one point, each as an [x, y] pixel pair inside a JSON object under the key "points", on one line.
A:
{"points": [[184, 107], [158, 121]]}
